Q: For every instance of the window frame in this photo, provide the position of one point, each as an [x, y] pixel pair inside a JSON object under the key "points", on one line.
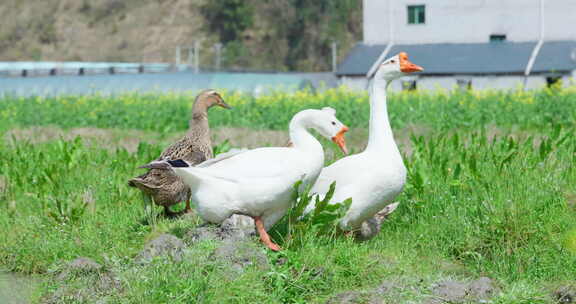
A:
{"points": [[497, 38], [416, 13]]}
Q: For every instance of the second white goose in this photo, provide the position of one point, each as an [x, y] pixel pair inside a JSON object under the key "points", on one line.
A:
{"points": [[374, 177]]}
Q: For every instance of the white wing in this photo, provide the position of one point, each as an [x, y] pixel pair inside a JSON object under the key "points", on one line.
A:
{"points": [[220, 157], [261, 163]]}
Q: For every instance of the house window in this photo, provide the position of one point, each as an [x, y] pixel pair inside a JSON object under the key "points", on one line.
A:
{"points": [[409, 85], [416, 14], [497, 38]]}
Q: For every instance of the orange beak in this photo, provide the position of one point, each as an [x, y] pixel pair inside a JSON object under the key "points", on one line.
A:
{"points": [[406, 66], [340, 141]]}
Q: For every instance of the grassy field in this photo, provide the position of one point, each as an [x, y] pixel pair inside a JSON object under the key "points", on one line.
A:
{"points": [[491, 192]]}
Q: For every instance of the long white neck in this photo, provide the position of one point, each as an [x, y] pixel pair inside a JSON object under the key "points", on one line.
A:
{"points": [[380, 137], [300, 137]]}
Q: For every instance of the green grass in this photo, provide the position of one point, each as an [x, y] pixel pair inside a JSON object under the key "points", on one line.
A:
{"points": [[476, 204]]}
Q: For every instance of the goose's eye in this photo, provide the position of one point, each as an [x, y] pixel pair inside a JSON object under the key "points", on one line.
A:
{"points": [[392, 61], [333, 123]]}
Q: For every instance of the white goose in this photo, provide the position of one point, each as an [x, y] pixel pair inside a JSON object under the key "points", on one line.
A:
{"points": [[258, 183], [374, 177]]}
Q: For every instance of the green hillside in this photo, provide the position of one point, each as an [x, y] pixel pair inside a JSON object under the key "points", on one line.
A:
{"points": [[257, 34]]}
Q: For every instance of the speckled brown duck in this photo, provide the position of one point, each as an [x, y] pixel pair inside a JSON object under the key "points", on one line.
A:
{"points": [[162, 186]]}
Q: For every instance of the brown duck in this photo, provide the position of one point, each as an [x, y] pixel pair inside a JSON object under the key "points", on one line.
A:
{"points": [[162, 186]]}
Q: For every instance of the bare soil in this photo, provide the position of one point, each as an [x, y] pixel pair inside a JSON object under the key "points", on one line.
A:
{"points": [[356, 139]]}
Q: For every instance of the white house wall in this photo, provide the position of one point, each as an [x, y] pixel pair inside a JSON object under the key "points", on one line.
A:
{"points": [[448, 82], [433, 83], [507, 82], [461, 21], [354, 83]]}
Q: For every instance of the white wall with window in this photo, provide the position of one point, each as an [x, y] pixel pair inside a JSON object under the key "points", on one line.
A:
{"points": [[416, 14], [461, 21]]}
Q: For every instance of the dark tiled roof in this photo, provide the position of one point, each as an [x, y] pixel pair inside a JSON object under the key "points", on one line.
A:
{"points": [[360, 59], [468, 58], [556, 56]]}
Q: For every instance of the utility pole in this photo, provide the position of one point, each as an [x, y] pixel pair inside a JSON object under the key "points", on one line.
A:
{"points": [[178, 58], [190, 56], [334, 56], [217, 56], [197, 56]]}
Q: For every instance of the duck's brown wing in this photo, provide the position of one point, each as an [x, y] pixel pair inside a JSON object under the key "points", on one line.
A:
{"points": [[196, 157], [187, 150]]}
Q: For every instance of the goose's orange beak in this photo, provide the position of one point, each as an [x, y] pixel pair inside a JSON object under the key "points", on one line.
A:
{"points": [[406, 66], [340, 141]]}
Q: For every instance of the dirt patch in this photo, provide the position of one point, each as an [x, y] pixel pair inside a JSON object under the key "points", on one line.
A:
{"points": [[249, 138], [356, 138], [3, 185], [451, 291], [129, 139], [571, 200], [16, 288], [104, 138], [395, 290]]}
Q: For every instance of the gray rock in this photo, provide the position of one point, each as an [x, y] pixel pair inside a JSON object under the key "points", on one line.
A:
{"points": [[84, 264], [374, 296], [565, 295], [347, 297], [451, 291], [163, 245], [482, 289], [390, 291], [355, 297], [102, 282], [240, 254], [386, 287], [237, 227], [107, 281], [79, 266], [203, 233]]}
